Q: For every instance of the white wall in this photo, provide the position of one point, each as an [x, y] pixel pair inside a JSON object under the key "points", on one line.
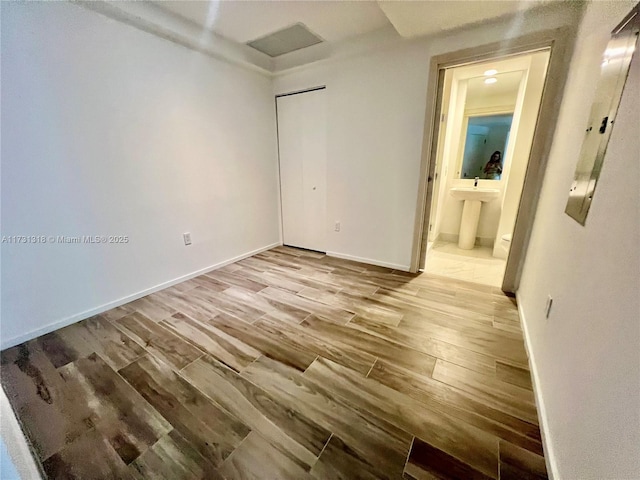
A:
{"points": [[16, 461], [586, 356], [108, 130], [376, 106], [375, 116], [448, 156], [523, 131]]}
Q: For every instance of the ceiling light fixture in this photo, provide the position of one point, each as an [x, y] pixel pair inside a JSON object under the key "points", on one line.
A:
{"points": [[488, 73], [491, 80]]}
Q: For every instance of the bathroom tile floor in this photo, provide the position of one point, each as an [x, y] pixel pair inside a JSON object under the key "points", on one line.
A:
{"points": [[477, 265]]}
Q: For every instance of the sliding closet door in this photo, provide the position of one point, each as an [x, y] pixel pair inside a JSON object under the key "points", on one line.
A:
{"points": [[303, 169]]}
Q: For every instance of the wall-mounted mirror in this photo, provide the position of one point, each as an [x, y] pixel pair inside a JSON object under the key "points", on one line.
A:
{"points": [[613, 76], [485, 146], [489, 105]]}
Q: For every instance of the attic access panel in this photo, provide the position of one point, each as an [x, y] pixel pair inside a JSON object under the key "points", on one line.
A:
{"points": [[286, 40]]}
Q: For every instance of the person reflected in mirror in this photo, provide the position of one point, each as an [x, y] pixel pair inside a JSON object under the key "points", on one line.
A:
{"points": [[493, 169]]}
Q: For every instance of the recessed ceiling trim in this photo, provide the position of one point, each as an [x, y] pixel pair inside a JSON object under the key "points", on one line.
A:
{"points": [[286, 40]]}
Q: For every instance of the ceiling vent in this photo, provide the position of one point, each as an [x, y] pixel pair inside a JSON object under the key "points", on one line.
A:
{"points": [[286, 40]]}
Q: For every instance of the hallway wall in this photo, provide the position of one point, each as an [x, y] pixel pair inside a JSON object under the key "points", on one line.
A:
{"points": [[108, 130], [585, 357]]}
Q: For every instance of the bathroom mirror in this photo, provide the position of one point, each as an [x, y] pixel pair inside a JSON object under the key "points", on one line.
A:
{"points": [[489, 106], [613, 75], [485, 145]]}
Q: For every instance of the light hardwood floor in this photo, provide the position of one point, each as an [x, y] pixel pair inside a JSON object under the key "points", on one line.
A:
{"points": [[286, 365]]}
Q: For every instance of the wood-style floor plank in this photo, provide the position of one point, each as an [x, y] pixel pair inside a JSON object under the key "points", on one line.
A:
{"points": [[236, 280], [426, 345], [381, 348], [340, 352], [293, 263], [156, 311], [209, 283], [383, 443], [518, 376], [427, 461], [485, 308], [87, 457], [517, 463], [286, 350], [46, 405], [340, 462], [485, 341], [466, 442], [347, 282], [123, 417], [266, 304], [158, 340], [227, 305], [97, 335], [117, 312], [287, 429], [57, 350], [351, 265], [459, 404], [262, 265], [191, 305], [256, 458], [507, 325], [309, 281], [211, 430], [403, 300], [226, 348], [354, 304], [287, 364], [173, 457], [327, 312], [510, 398]]}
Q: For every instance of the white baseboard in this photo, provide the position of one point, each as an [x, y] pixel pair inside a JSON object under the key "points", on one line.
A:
{"points": [[6, 343], [395, 266], [549, 455], [453, 238]]}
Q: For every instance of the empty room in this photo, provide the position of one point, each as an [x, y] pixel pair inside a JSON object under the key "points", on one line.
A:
{"points": [[320, 239]]}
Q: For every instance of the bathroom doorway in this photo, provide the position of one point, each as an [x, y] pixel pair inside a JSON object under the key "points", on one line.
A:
{"points": [[488, 114]]}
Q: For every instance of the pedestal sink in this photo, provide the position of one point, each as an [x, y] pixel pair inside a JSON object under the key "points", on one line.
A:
{"points": [[473, 198]]}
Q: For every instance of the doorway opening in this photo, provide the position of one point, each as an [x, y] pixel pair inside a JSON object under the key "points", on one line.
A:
{"points": [[489, 111]]}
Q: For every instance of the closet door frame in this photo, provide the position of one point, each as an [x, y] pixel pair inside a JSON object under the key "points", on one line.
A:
{"points": [[319, 241]]}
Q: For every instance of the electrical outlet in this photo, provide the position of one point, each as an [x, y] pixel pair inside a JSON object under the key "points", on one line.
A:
{"points": [[187, 238], [547, 307], [337, 227]]}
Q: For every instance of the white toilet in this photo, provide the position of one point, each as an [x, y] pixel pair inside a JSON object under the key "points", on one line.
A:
{"points": [[505, 245]]}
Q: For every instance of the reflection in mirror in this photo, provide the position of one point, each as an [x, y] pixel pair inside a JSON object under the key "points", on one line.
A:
{"points": [[489, 105], [613, 75], [485, 143]]}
